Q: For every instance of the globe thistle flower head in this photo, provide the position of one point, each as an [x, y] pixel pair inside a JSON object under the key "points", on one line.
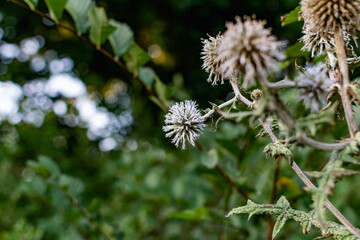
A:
{"points": [[314, 85], [320, 42], [209, 53], [330, 15], [249, 50], [185, 122]]}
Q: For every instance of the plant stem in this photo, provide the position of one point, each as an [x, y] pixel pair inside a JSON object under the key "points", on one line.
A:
{"points": [[306, 180], [225, 104], [341, 54]]}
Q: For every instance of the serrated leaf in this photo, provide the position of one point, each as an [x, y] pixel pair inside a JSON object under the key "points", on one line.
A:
{"points": [[279, 224], [135, 58], [306, 226], [283, 203], [56, 8], [291, 17], [311, 121], [32, 3], [100, 29], [277, 149], [306, 220], [121, 38], [78, 9]]}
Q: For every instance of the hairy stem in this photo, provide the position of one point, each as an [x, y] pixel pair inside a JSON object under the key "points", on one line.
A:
{"points": [[341, 54], [306, 180], [225, 104]]}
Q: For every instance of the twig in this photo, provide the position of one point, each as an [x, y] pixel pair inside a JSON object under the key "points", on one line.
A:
{"points": [[225, 104], [73, 201], [231, 182], [101, 50], [341, 54]]}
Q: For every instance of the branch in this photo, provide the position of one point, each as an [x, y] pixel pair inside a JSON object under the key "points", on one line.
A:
{"points": [[101, 50], [75, 203], [225, 104]]}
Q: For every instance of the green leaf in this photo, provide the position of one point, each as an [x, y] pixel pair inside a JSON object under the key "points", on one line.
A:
{"points": [[326, 181], [283, 212], [291, 17], [210, 159], [295, 51], [78, 9], [148, 76], [135, 58], [278, 149], [279, 224], [71, 184], [100, 29], [121, 38], [197, 214], [32, 3], [56, 8], [161, 89]]}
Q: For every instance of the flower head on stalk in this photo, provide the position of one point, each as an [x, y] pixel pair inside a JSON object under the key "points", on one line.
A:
{"points": [[185, 122], [249, 50], [315, 85]]}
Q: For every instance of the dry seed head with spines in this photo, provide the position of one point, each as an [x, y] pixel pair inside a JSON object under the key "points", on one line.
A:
{"points": [[315, 85], [209, 53], [184, 121], [249, 50], [323, 42], [331, 15]]}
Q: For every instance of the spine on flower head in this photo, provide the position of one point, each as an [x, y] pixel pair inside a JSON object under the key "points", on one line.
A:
{"points": [[184, 123], [248, 50], [314, 86]]}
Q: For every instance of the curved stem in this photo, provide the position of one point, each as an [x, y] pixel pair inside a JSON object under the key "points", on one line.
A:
{"points": [[323, 146], [307, 181]]}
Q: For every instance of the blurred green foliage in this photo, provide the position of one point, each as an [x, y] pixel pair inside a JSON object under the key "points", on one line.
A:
{"points": [[58, 184]]}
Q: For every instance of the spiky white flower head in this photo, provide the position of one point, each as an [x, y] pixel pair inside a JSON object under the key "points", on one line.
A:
{"points": [[184, 121], [248, 49], [209, 53], [320, 42], [331, 15], [315, 85]]}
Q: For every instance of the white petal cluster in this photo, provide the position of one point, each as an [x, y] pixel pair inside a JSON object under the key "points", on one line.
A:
{"points": [[315, 85], [185, 122], [249, 50], [209, 53]]}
